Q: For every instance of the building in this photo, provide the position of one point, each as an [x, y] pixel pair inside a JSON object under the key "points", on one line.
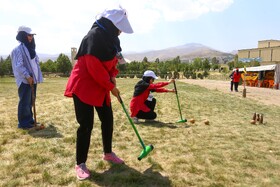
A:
{"points": [[268, 52], [73, 54]]}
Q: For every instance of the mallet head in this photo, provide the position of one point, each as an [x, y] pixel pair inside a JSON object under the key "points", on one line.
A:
{"points": [[182, 121], [145, 152]]}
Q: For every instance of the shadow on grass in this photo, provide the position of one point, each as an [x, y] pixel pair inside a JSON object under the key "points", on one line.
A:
{"points": [[160, 124], [49, 132], [123, 175]]}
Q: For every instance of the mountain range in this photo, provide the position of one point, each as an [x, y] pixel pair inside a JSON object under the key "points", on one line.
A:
{"points": [[186, 53]]}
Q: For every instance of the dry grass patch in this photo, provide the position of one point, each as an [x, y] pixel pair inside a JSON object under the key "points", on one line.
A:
{"points": [[228, 152]]}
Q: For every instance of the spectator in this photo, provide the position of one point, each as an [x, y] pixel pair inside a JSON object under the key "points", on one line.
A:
{"points": [[231, 80], [27, 72], [236, 79]]}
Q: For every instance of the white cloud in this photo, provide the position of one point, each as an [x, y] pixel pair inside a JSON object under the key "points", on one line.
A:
{"points": [[61, 24], [146, 14], [181, 10]]}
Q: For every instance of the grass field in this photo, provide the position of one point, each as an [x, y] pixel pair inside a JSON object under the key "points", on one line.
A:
{"points": [[228, 152]]}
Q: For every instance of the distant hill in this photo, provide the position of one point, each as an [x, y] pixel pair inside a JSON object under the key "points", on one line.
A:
{"points": [[186, 52]]}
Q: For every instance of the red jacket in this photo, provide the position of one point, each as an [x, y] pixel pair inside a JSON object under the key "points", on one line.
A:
{"points": [[236, 77], [90, 80], [138, 103]]}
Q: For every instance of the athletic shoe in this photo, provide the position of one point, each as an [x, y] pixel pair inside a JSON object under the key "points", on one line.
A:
{"points": [[135, 120], [82, 172], [112, 157]]}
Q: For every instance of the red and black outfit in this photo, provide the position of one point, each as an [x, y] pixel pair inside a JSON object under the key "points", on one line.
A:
{"points": [[90, 85], [235, 79], [140, 107]]}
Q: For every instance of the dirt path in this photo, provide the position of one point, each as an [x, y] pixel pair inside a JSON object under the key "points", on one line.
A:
{"points": [[265, 95]]}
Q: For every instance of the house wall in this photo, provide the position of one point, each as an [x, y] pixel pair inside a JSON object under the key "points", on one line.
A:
{"points": [[268, 43], [268, 51]]}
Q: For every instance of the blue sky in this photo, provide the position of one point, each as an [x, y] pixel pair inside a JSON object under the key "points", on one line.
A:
{"points": [[224, 25]]}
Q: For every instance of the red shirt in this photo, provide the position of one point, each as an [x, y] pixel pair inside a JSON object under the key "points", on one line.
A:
{"points": [[236, 77], [90, 80], [138, 103]]}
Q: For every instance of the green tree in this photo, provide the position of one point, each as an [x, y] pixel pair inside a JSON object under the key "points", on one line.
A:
{"points": [[197, 64], [145, 59], [176, 63], [214, 61], [215, 66], [48, 66], [206, 65], [6, 66], [2, 67], [157, 60], [63, 64], [162, 69]]}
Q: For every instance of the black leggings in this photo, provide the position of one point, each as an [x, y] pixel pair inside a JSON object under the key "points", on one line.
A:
{"points": [[236, 86], [85, 118], [148, 115], [231, 85]]}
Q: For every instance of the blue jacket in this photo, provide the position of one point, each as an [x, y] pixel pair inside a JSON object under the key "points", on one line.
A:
{"points": [[21, 63]]}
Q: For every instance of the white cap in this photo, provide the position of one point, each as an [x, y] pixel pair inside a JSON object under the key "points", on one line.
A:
{"points": [[25, 29], [150, 73], [119, 19]]}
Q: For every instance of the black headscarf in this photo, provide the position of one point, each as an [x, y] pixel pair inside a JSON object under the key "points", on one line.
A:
{"points": [[101, 41], [142, 85], [22, 37]]}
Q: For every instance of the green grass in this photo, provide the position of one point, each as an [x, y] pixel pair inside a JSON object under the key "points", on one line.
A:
{"points": [[228, 152]]}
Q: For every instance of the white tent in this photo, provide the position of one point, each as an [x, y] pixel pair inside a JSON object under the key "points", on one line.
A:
{"points": [[273, 67], [259, 68]]}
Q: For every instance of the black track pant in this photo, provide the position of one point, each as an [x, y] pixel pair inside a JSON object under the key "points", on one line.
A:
{"points": [[85, 116], [231, 85], [236, 86], [148, 115]]}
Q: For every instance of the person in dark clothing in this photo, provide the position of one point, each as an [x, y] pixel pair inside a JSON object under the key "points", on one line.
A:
{"points": [[231, 80], [142, 104]]}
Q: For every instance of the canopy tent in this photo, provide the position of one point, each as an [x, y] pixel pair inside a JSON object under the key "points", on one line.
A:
{"points": [[259, 68], [271, 72]]}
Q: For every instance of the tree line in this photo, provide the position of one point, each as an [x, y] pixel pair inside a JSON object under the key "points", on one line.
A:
{"points": [[197, 68], [62, 66]]}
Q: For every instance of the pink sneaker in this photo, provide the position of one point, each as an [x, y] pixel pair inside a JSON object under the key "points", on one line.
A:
{"points": [[82, 171], [112, 157]]}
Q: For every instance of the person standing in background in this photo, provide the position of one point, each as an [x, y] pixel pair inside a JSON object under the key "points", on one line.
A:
{"points": [[27, 72], [236, 79], [231, 80]]}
